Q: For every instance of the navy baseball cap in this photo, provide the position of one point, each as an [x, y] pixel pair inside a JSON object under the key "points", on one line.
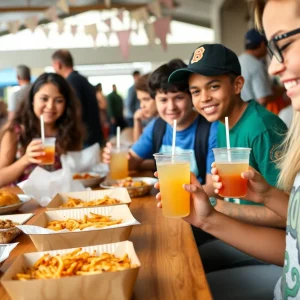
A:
{"points": [[209, 60], [253, 39]]}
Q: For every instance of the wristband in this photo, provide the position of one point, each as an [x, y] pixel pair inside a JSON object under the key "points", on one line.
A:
{"points": [[213, 201]]}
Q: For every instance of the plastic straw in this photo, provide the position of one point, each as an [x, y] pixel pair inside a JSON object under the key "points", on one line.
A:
{"points": [[174, 136], [118, 137], [227, 138], [42, 129]]}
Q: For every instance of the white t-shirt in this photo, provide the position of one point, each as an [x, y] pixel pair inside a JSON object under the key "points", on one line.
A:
{"points": [[17, 97], [257, 84], [286, 115], [288, 286]]}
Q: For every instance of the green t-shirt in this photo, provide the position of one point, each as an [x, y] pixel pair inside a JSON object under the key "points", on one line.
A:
{"points": [[263, 132]]}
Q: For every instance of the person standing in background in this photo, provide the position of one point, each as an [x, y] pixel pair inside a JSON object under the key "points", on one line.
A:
{"points": [[115, 110], [62, 62], [257, 83], [102, 104], [23, 77], [132, 102]]}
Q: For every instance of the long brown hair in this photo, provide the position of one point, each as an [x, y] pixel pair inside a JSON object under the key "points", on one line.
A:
{"points": [[69, 126]]}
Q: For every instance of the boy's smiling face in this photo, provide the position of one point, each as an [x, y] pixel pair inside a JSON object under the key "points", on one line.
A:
{"points": [[175, 106]]}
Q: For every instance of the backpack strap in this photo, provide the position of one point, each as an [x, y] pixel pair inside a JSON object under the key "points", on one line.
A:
{"points": [[158, 134], [201, 146]]}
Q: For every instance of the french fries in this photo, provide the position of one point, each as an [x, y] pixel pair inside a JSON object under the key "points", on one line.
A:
{"points": [[129, 182], [73, 202], [83, 176], [95, 220], [74, 263]]}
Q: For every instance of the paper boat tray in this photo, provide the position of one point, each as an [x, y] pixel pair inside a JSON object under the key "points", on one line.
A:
{"points": [[53, 240], [62, 198], [113, 286]]}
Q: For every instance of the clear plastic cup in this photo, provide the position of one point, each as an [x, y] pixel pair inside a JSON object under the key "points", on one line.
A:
{"points": [[119, 162], [173, 172], [230, 164], [49, 149]]}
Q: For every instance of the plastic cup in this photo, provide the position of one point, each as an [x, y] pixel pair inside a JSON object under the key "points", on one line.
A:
{"points": [[230, 164], [119, 162], [49, 149], [173, 172]]}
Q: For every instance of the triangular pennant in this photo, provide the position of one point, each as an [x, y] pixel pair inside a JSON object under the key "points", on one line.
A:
{"points": [[108, 23], [162, 28], [74, 29], [167, 3], [149, 28], [13, 26], [155, 8], [51, 13], [120, 15], [123, 37], [107, 34], [63, 5], [91, 30], [60, 26], [46, 31], [140, 15], [31, 23], [107, 3]]}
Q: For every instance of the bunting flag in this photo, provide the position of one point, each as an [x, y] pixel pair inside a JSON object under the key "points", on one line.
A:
{"points": [[167, 3], [155, 8], [140, 15], [107, 3], [13, 26], [107, 34], [31, 23], [91, 30], [46, 30], [51, 14], [74, 29], [149, 28], [161, 29], [108, 23], [120, 15], [63, 6], [123, 37], [60, 26]]}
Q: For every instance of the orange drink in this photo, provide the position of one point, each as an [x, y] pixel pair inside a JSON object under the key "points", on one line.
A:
{"points": [[173, 172], [230, 164], [233, 185], [119, 163], [49, 148]]}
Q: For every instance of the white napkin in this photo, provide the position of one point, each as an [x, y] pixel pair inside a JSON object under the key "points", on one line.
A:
{"points": [[81, 161], [5, 250], [43, 185]]}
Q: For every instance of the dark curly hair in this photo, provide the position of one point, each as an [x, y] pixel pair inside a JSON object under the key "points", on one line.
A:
{"points": [[69, 126], [158, 80]]}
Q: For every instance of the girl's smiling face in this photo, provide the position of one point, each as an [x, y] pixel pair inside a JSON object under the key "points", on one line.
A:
{"points": [[281, 17]]}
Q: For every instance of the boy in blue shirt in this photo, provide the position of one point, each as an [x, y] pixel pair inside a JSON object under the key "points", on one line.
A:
{"points": [[173, 103]]}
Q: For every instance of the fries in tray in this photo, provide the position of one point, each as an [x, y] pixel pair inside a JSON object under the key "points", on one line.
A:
{"points": [[73, 202], [95, 220], [75, 263], [129, 182], [83, 176]]}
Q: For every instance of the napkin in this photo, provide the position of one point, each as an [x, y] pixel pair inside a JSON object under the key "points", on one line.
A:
{"points": [[43, 185], [81, 161], [5, 250]]}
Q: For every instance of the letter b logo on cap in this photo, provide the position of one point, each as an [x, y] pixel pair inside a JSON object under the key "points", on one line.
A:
{"points": [[198, 54]]}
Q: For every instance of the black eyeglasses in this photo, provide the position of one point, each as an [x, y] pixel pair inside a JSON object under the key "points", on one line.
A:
{"points": [[273, 48]]}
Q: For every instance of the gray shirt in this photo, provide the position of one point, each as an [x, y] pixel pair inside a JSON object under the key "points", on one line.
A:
{"points": [[17, 97], [257, 84]]}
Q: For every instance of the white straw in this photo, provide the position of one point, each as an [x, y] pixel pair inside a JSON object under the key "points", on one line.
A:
{"points": [[227, 138], [42, 129], [118, 137], [174, 136]]}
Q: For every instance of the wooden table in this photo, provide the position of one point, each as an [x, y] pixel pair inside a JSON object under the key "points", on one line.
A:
{"points": [[171, 267]]}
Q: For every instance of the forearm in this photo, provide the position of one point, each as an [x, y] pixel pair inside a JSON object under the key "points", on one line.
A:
{"points": [[277, 201], [252, 214], [11, 173], [137, 129], [267, 244]]}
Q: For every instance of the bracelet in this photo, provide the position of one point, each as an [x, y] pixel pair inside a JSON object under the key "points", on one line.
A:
{"points": [[213, 201]]}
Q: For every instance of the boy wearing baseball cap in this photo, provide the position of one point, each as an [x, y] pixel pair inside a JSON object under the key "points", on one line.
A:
{"points": [[215, 82]]}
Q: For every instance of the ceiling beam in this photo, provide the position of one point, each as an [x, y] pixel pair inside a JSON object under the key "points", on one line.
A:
{"points": [[73, 9]]}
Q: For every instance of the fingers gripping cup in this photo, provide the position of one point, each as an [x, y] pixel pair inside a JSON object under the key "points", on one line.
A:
{"points": [[230, 164], [173, 172], [119, 162], [49, 149]]}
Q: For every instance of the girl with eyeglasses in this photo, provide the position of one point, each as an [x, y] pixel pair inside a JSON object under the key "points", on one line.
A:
{"points": [[280, 20]]}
